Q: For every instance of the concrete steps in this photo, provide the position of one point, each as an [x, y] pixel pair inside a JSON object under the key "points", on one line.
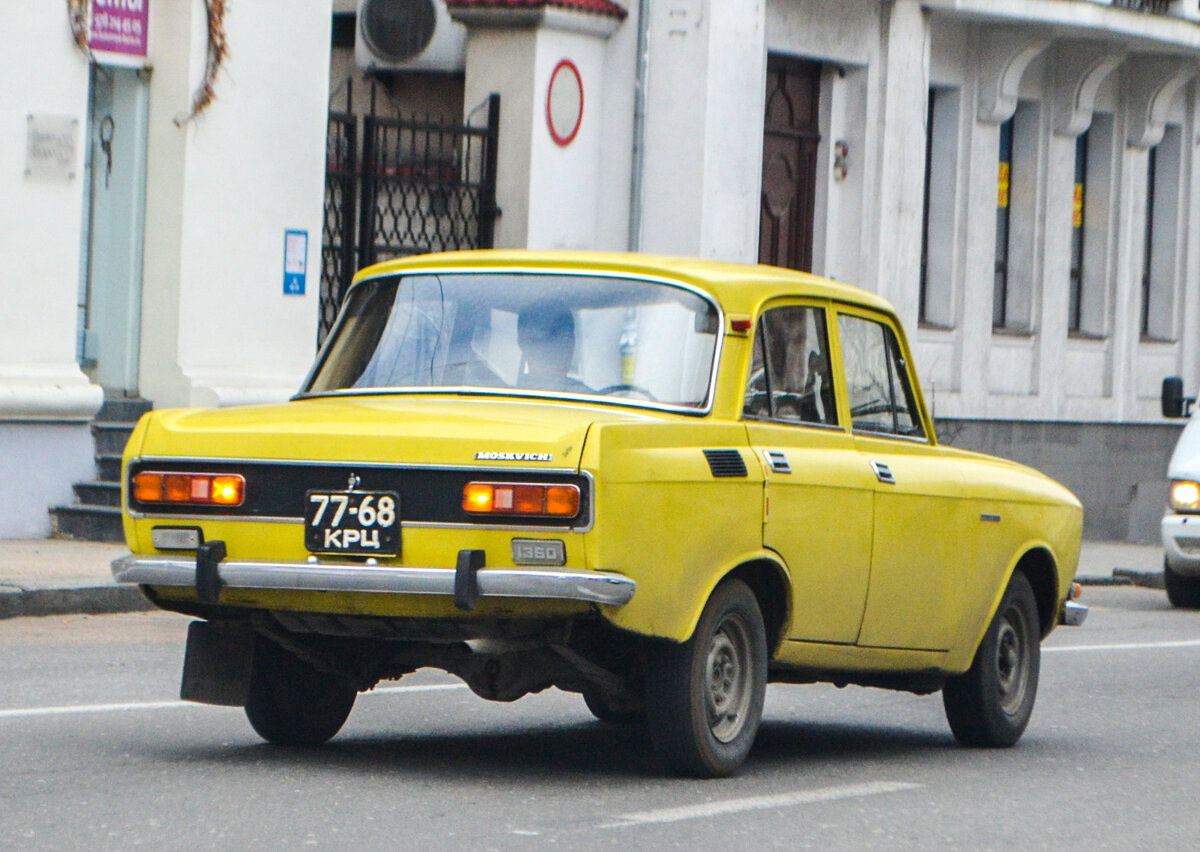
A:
{"points": [[96, 513]]}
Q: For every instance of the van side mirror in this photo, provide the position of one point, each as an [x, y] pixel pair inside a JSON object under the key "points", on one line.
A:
{"points": [[1174, 403]]}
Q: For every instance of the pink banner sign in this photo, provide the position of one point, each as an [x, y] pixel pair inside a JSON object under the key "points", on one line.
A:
{"points": [[120, 26]]}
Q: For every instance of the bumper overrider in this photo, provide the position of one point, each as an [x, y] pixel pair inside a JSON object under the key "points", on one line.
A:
{"points": [[209, 571]]}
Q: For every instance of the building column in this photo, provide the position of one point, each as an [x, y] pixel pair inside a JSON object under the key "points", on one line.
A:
{"points": [[221, 191], [990, 99], [703, 133], [1073, 80], [1187, 302], [549, 67], [900, 140]]}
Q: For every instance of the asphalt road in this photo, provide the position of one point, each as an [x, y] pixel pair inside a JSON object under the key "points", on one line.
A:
{"points": [[97, 754]]}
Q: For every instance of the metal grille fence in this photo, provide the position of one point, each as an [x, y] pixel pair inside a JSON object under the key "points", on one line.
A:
{"points": [[413, 186], [1160, 7]]}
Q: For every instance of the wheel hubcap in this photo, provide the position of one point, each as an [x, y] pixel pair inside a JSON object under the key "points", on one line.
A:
{"points": [[1012, 664], [727, 687]]}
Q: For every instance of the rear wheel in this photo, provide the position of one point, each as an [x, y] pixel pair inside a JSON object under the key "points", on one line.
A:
{"points": [[1183, 591], [990, 704], [613, 711], [704, 698], [291, 702]]}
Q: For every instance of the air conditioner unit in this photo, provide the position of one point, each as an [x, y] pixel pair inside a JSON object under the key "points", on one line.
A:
{"points": [[408, 35]]}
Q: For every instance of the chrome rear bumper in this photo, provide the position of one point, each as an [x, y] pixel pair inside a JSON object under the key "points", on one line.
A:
{"points": [[1072, 614], [589, 586]]}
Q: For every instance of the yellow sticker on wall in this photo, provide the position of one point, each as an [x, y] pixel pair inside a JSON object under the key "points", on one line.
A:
{"points": [[1002, 185], [1077, 219]]}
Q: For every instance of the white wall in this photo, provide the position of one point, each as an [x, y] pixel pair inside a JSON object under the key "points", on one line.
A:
{"points": [[221, 191], [565, 180], [552, 196], [502, 61], [45, 400], [45, 75], [704, 118]]}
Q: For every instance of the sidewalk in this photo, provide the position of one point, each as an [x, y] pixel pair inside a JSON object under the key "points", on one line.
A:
{"points": [[56, 577]]}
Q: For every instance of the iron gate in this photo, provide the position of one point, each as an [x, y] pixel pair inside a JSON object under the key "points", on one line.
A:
{"points": [[409, 186]]}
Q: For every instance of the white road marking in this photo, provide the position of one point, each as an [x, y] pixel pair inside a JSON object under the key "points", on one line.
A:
{"points": [[758, 803], [32, 712], [26, 712], [75, 709], [1130, 646]]}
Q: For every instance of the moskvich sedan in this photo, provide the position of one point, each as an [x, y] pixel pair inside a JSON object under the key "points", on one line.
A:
{"points": [[660, 483]]}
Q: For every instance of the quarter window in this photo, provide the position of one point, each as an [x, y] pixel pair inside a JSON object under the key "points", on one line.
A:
{"points": [[881, 396], [790, 378]]}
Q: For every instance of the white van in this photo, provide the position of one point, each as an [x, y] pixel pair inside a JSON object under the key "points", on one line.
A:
{"points": [[1181, 523]]}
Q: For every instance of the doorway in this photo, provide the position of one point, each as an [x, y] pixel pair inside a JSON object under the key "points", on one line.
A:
{"points": [[110, 286], [791, 137]]}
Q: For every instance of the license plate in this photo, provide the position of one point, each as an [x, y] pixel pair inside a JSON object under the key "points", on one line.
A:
{"points": [[361, 522]]}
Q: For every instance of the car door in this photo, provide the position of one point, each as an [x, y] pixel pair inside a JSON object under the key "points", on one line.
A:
{"points": [[818, 501], [917, 561]]}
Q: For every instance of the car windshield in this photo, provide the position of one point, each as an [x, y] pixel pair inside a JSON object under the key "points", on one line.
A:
{"points": [[638, 340]]}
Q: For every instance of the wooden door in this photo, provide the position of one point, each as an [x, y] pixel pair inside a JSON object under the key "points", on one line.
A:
{"points": [[790, 140]]}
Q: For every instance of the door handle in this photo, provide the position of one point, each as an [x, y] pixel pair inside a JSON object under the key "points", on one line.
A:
{"points": [[883, 473], [777, 460]]}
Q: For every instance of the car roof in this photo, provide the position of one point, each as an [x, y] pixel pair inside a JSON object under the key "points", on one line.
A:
{"points": [[739, 287]]}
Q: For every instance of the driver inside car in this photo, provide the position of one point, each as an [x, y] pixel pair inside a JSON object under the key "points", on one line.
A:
{"points": [[546, 335]]}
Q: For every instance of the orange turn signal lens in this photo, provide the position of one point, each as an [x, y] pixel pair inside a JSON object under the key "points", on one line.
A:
{"points": [[205, 489], [228, 490], [516, 498]]}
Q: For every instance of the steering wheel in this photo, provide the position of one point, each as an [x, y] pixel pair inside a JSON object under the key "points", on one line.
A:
{"points": [[627, 390]]}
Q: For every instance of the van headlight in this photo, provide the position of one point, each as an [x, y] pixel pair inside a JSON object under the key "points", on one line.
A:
{"points": [[1185, 496]]}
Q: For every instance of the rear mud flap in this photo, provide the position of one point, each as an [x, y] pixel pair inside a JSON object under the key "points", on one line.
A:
{"points": [[216, 665]]}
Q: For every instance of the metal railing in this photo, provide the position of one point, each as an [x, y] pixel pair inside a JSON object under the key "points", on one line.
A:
{"points": [[1158, 7], [396, 186]]}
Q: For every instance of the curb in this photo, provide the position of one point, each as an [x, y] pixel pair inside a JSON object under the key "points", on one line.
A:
{"points": [[1104, 581], [1145, 579], [1126, 577], [84, 600]]}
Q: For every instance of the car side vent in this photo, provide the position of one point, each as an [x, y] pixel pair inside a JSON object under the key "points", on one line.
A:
{"points": [[725, 462]]}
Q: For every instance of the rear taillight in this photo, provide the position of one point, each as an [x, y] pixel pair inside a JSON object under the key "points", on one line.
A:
{"points": [[191, 489], [521, 498]]}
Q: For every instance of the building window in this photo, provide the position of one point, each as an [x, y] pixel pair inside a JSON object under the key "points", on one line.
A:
{"points": [[1091, 226], [938, 227], [1012, 310], [1004, 182], [1159, 263], [1077, 232], [1016, 223]]}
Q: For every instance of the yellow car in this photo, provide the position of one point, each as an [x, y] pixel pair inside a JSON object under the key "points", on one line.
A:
{"points": [[657, 482]]}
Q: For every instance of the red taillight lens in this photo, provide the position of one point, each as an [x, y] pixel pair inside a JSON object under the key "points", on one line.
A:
{"points": [[519, 498], [203, 489]]}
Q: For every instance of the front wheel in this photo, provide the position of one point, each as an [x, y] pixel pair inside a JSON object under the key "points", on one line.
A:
{"points": [[291, 702], [1183, 591], [704, 698], [990, 704]]}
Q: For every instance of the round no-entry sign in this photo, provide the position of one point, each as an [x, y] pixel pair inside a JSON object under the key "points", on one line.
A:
{"points": [[564, 102]]}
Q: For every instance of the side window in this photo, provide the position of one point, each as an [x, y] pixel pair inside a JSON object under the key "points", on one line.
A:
{"points": [[790, 377], [881, 397]]}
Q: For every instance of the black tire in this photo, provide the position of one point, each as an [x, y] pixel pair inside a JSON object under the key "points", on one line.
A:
{"points": [[990, 704], [292, 703], [704, 698], [1183, 591], [612, 711]]}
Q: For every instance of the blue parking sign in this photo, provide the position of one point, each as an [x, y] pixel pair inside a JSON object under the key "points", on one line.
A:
{"points": [[295, 262]]}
